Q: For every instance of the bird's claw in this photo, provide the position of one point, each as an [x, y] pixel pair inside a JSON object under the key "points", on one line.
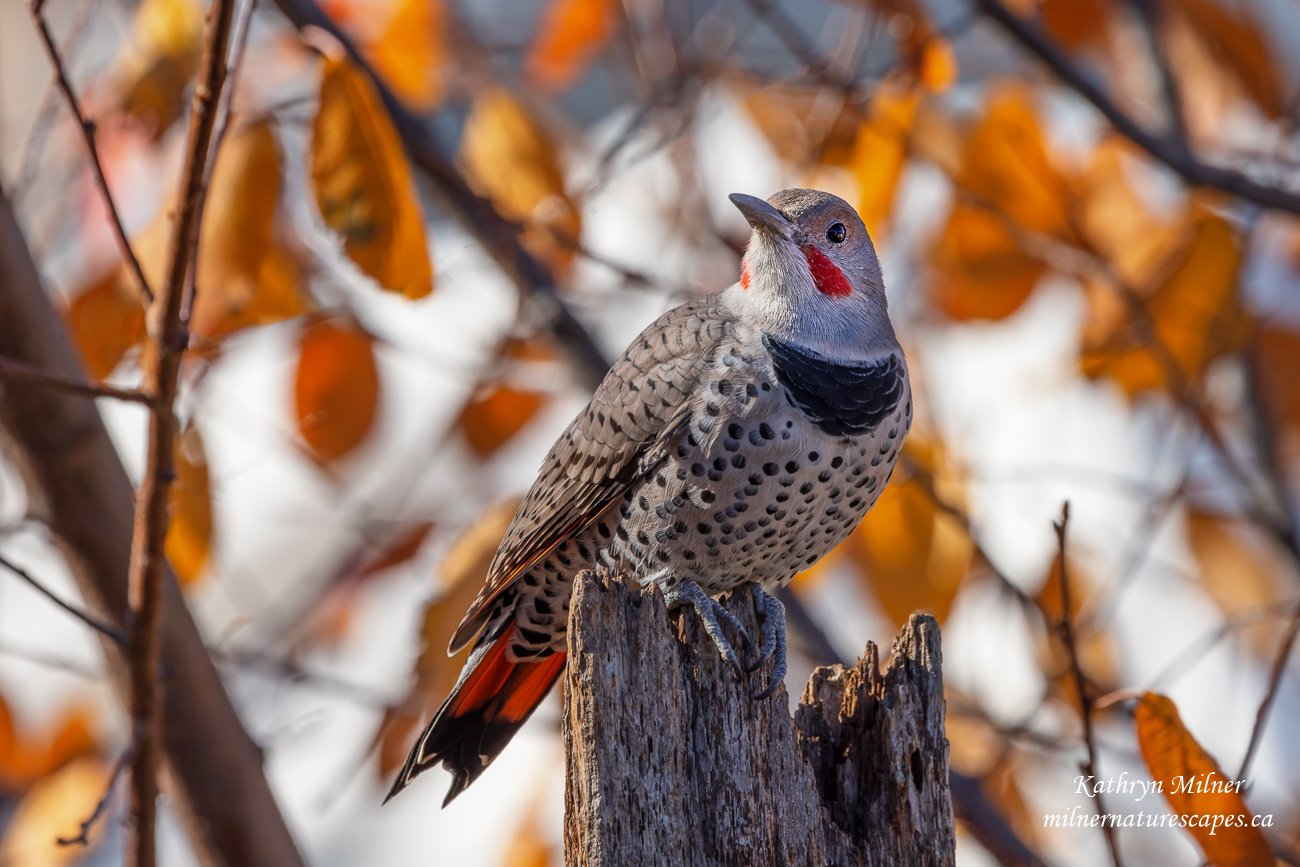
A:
{"points": [[711, 612], [771, 619]]}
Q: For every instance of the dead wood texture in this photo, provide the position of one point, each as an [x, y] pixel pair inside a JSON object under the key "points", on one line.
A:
{"points": [[670, 762]]}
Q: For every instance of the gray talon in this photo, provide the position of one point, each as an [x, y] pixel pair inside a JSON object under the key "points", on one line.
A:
{"points": [[771, 616], [710, 611]]}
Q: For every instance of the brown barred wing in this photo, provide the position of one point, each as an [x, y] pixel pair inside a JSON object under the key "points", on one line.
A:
{"points": [[619, 438]]}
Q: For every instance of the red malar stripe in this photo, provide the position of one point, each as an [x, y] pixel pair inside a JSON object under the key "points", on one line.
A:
{"points": [[827, 276]]}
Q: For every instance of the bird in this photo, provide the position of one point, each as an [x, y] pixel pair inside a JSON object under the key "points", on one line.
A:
{"points": [[735, 442]]}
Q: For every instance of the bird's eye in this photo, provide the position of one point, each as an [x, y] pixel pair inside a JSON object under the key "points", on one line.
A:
{"points": [[836, 233]]}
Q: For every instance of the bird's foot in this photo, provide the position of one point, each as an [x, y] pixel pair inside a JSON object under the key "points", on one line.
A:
{"points": [[712, 615], [771, 618]]}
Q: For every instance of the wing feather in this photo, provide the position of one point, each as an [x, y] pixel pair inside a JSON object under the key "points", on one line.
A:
{"points": [[618, 439]]}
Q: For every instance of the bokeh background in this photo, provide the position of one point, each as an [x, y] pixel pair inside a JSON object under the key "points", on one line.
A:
{"points": [[1095, 311]]}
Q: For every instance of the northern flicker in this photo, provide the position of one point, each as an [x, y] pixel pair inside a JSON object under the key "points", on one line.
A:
{"points": [[741, 437]]}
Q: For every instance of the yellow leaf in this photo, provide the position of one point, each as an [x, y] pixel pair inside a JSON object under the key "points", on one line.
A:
{"points": [[189, 535], [363, 184], [492, 417], [879, 154], [568, 36], [157, 64], [1195, 311], [910, 555], [55, 808], [245, 276], [106, 320], [336, 389], [509, 158], [1175, 758], [463, 572]]}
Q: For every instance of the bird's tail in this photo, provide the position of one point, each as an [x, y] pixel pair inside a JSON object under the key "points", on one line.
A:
{"points": [[492, 699]]}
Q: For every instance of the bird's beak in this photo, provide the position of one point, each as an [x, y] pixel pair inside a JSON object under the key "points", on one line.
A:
{"points": [[763, 216]]}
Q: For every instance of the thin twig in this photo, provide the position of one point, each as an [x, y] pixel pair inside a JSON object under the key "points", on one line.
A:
{"points": [[15, 370], [1080, 681], [34, 146], [225, 110], [103, 628], [1274, 682], [1178, 158], [83, 836], [87, 128], [162, 377]]}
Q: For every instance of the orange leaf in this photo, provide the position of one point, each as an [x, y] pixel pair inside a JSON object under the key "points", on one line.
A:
{"points": [[910, 555], [336, 390], [980, 269], [511, 159], [492, 417], [55, 807], [879, 154], [1077, 24], [463, 572], [1181, 766], [410, 54], [1239, 570], [571, 32], [106, 320], [1116, 221], [1007, 165], [1277, 367], [245, 276], [363, 184], [25, 759], [798, 126], [189, 535], [1195, 312], [1240, 46]]}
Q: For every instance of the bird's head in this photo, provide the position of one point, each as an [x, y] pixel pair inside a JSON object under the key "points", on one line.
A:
{"points": [[810, 274]]}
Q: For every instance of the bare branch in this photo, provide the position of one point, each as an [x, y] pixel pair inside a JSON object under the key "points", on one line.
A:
{"points": [[83, 835], [1080, 681], [16, 370], [1164, 148], [87, 128], [108, 631], [1274, 682], [162, 378]]}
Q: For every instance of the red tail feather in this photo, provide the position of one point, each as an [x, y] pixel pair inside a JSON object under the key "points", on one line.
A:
{"points": [[493, 698]]}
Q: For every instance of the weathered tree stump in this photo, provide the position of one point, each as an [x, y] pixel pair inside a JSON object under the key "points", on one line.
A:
{"points": [[670, 762]]}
